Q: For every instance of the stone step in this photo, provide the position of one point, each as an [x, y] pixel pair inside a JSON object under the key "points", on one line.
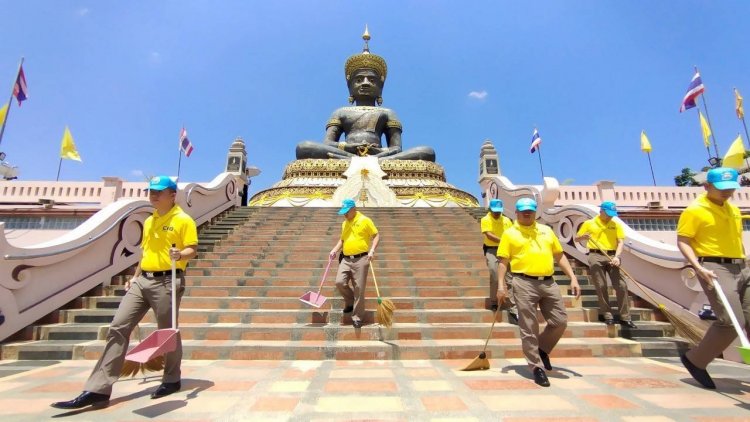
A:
{"points": [[328, 332], [340, 350]]}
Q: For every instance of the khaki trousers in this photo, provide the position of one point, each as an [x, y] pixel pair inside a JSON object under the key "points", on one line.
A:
{"points": [[599, 269], [354, 271], [546, 293], [734, 282], [492, 262], [144, 294]]}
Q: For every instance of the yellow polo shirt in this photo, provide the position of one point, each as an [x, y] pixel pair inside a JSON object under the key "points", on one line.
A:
{"points": [[495, 226], [606, 235], [713, 230], [530, 249], [161, 232], [357, 234]]}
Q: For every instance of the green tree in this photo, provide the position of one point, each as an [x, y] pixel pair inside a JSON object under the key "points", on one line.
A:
{"points": [[686, 178]]}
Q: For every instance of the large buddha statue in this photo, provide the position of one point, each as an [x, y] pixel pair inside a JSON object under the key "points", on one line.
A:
{"points": [[364, 124]]}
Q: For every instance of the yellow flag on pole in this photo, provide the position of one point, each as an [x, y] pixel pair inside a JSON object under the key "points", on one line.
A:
{"points": [[68, 147], [3, 113], [706, 129], [738, 105], [645, 144], [736, 154]]}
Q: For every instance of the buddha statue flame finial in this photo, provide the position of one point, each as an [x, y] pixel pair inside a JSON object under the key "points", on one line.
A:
{"points": [[366, 60]]}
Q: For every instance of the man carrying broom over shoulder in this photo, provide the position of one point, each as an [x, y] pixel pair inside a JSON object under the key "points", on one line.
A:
{"points": [[709, 235], [150, 288], [358, 241]]}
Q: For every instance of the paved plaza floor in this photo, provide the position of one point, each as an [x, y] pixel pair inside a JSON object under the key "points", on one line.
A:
{"points": [[583, 389]]}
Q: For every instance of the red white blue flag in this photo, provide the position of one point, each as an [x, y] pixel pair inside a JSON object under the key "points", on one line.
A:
{"points": [[185, 145], [695, 89], [19, 88], [536, 141]]}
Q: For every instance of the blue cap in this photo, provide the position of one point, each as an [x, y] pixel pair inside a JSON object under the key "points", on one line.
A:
{"points": [[160, 183], [496, 205], [526, 204], [346, 205], [609, 208], [723, 178]]}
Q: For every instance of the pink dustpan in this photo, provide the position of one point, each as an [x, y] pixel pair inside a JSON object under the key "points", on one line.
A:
{"points": [[160, 341], [316, 299]]}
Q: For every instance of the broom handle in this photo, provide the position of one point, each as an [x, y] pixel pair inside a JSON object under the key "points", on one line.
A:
{"points": [[492, 327], [325, 273], [375, 280], [174, 293], [728, 308]]}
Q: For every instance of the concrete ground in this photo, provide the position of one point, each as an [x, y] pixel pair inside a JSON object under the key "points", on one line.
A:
{"points": [[583, 389]]}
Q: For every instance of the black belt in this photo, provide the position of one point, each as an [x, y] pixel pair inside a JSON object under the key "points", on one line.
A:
{"points": [[155, 274], [721, 260], [359, 255], [533, 277]]}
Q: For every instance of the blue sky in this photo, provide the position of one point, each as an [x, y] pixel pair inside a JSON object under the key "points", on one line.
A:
{"points": [[126, 76]]}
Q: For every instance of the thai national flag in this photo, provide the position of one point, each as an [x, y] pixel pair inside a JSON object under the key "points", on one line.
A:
{"points": [[185, 145], [536, 141], [695, 89], [19, 88]]}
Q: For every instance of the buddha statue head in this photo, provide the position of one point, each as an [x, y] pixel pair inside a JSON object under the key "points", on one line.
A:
{"points": [[365, 75]]}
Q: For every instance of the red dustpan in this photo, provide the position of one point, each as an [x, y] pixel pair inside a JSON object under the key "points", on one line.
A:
{"points": [[160, 341], [316, 299]]}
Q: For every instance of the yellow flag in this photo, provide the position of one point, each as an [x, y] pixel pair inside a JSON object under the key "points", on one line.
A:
{"points": [[645, 144], [3, 112], [705, 129], [738, 105], [735, 157], [68, 147]]}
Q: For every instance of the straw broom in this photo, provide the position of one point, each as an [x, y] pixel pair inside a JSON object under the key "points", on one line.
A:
{"points": [[384, 313], [686, 329], [131, 369], [481, 363]]}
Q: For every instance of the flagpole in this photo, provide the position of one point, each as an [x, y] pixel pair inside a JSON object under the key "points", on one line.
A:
{"points": [[179, 161], [59, 166], [705, 107], [648, 154], [539, 149], [700, 123], [10, 101]]}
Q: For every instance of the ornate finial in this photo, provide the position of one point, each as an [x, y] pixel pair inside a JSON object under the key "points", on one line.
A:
{"points": [[366, 60], [366, 37]]}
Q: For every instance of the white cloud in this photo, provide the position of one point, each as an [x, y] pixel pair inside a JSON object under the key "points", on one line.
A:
{"points": [[83, 11], [479, 95], [138, 174]]}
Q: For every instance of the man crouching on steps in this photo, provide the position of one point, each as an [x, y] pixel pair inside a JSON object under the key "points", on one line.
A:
{"points": [[358, 241], [150, 288], [530, 250]]}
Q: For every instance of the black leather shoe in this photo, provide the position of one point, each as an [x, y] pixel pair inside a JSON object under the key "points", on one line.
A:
{"points": [[357, 324], [493, 307], [628, 324], [545, 359], [348, 309], [165, 389], [540, 377], [85, 399], [601, 318], [512, 318], [700, 375]]}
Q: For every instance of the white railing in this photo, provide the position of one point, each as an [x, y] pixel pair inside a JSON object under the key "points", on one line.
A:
{"points": [[39, 279]]}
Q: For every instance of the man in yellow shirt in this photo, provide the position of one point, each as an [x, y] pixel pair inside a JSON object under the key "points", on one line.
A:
{"points": [[709, 235], [492, 226], [358, 241], [605, 233], [530, 250], [168, 234]]}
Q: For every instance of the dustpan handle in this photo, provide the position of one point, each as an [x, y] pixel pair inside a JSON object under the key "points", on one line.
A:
{"points": [[174, 293], [325, 273], [728, 309]]}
